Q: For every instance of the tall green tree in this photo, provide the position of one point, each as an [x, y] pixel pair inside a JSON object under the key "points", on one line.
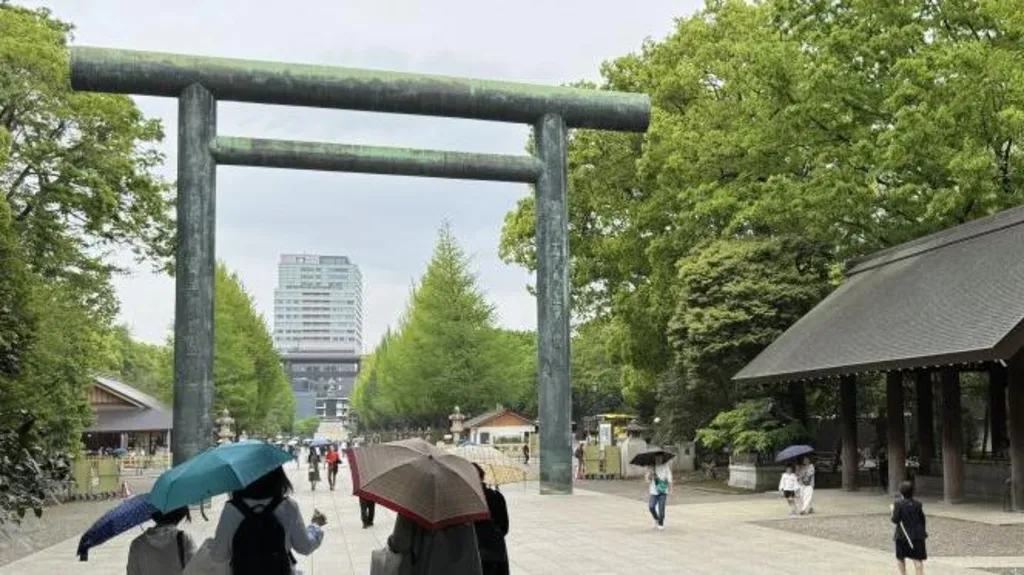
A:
{"points": [[142, 365], [17, 324], [735, 298], [446, 352], [597, 379], [76, 184], [77, 174]]}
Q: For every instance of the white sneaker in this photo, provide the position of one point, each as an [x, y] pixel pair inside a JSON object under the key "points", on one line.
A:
{"points": [[661, 528]]}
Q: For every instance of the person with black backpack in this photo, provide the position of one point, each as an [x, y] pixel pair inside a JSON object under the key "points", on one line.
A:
{"points": [[163, 549], [261, 526]]}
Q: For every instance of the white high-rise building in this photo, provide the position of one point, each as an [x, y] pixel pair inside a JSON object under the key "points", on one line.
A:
{"points": [[318, 305]]}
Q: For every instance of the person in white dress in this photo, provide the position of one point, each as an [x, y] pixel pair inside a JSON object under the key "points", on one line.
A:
{"points": [[805, 473]]}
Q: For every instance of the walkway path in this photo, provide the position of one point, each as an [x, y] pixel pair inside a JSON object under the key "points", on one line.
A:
{"points": [[587, 533]]}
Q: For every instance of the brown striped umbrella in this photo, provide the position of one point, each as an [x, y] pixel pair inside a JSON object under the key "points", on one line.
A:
{"points": [[426, 484]]}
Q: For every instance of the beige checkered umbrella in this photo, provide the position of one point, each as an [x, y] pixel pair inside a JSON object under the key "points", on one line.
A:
{"points": [[499, 468], [426, 484]]}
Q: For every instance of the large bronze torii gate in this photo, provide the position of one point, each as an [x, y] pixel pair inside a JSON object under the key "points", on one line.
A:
{"points": [[199, 82]]}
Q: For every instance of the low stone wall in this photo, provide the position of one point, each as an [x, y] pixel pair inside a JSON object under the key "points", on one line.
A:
{"points": [[755, 477]]}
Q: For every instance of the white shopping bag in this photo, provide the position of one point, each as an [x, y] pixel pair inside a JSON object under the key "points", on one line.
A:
{"points": [[203, 564], [384, 561]]}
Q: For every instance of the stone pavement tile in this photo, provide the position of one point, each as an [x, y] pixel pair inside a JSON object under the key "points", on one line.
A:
{"points": [[985, 562], [586, 533]]}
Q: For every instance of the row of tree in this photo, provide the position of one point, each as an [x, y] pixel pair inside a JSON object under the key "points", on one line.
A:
{"points": [[248, 377], [787, 137]]}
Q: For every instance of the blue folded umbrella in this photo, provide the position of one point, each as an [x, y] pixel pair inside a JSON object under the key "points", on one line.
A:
{"points": [[130, 513], [222, 469], [793, 451], [319, 442]]}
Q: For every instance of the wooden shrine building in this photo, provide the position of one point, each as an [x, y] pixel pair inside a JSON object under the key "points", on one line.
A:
{"points": [[927, 310]]}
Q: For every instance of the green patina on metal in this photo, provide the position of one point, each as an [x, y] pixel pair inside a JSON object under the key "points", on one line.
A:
{"points": [[331, 157], [161, 74], [553, 307], [195, 265], [198, 82]]}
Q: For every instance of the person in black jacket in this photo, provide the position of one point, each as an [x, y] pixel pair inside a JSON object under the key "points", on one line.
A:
{"points": [[908, 515], [490, 533]]}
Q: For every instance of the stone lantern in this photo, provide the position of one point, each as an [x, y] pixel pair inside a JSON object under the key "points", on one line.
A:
{"points": [[225, 421], [456, 418]]}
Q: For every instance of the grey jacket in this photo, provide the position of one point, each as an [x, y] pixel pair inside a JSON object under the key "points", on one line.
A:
{"points": [[155, 552]]}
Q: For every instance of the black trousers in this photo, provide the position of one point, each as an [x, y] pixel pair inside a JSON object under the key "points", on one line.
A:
{"points": [[366, 509]]}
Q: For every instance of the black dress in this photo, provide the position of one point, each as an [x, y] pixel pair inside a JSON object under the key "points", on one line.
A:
{"points": [[490, 535], [909, 545]]}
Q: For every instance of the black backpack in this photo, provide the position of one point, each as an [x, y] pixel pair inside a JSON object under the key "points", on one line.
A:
{"points": [[258, 547]]}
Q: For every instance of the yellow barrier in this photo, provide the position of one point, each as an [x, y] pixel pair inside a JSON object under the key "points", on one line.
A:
{"points": [[95, 475]]}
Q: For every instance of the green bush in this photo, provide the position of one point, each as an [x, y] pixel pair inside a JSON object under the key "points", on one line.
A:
{"points": [[753, 427]]}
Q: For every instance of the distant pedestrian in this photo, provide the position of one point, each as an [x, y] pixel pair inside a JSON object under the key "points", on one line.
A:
{"points": [[163, 549], [333, 461], [910, 535], [314, 467], [789, 485], [526, 454], [366, 511], [580, 468], [660, 478]]}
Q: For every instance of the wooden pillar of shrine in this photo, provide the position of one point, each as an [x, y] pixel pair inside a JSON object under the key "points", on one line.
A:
{"points": [[997, 377], [1015, 397], [848, 417], [924, 386], [952, 437], [896, 432]]}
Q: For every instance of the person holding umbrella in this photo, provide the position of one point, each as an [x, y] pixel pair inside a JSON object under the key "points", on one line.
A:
{"points": [[163, 549], [261, 526], [659, 478], [438, 498]]}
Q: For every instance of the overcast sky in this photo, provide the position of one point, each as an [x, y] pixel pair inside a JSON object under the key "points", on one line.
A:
{"points": [[386, 224]]}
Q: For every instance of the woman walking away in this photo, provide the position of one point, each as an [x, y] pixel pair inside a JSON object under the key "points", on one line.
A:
{"points": [[805, 496], [333, 461], [163, 549], [490, 533], [449, 551], [261, 526], [660, 479], [314, 467], [908, 515]]}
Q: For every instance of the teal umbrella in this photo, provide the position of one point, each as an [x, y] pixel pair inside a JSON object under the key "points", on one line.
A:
{"points": [[221, 469]]}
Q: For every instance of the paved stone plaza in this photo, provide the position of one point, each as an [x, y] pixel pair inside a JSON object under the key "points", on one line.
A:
{"points": [[591, 533]]}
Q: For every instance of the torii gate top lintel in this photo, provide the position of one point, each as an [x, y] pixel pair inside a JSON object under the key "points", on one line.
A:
{"points": [[167, 75]]}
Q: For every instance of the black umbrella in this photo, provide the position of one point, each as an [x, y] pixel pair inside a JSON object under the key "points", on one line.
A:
{"points": [[647, 458]]}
